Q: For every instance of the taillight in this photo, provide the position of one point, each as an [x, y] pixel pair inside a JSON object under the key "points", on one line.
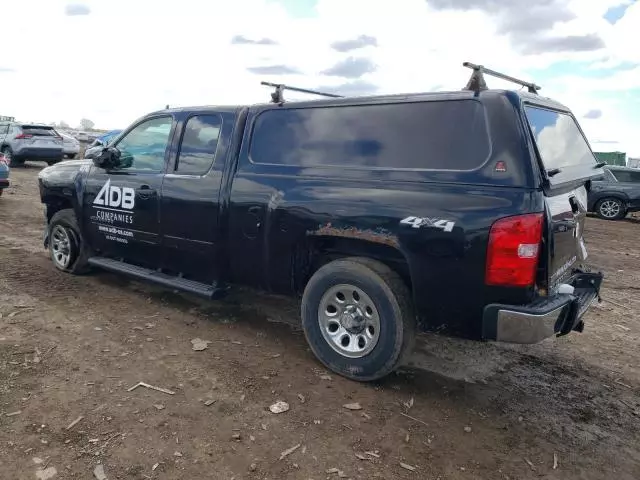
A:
{"points": [[3, 160], [23, 136], [514, 247]]}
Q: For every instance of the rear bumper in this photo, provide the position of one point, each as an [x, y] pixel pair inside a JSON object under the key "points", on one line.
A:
{"points": [[71, 149], [546, 317], [39, 154]]}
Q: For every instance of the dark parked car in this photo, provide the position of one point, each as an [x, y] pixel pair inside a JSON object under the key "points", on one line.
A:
{"points": [[383, 214], [615, 193]]}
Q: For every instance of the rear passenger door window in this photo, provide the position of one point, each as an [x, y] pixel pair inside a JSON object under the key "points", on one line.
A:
{"points": [[198, 145], [432, 135], [626, 176], [191, 189]]}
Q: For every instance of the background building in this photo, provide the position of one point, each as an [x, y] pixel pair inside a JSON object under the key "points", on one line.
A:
{"points": [[612, 158]]}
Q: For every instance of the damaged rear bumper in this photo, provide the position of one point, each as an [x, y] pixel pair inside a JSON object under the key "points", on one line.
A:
{"points": [[546, 317]]}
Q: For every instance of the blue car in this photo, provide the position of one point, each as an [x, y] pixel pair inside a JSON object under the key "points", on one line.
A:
{"points": [[4, 173], [101, 141], [106, 138]]}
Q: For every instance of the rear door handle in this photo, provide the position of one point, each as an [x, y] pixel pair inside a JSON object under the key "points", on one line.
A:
{"points": [[256, 212]]}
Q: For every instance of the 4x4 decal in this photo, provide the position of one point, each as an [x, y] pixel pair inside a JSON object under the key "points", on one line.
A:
{"points": [[418, 222]]}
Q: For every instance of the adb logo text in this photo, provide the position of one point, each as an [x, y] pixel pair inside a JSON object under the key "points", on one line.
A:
{"points": [[116, 197]]}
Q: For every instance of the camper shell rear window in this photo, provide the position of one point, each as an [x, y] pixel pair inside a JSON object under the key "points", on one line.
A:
{"points": [[561, 144]]}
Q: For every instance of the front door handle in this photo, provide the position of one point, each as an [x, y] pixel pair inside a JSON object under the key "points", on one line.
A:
{"points": [[145, 191]]}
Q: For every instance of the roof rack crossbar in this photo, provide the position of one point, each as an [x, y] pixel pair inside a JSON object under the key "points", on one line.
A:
{"points": [[278, 95], [477, 83]]}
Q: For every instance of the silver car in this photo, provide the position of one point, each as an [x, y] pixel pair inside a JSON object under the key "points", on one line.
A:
{"points": [[20, 142], [70, 146]]}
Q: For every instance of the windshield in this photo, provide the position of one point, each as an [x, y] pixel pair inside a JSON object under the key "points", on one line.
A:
{"points": [[561, 143]]}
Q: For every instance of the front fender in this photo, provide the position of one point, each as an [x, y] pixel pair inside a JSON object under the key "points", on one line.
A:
{"points": [[61, 186]]}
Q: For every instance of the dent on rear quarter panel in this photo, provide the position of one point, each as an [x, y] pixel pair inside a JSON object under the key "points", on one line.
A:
{"points": [[448, 269]]}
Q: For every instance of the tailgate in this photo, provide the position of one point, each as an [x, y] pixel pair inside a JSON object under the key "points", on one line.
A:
{"points": [[41, 136], [567, 163], [567, 213]]}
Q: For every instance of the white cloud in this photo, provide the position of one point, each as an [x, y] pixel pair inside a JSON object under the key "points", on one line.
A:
{"points": [[130, 57]]}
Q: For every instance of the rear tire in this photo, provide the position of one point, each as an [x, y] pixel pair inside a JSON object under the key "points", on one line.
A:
{"points": [[66, 246], [1, 190], [71, 156], [358, 318], [611, 208]]}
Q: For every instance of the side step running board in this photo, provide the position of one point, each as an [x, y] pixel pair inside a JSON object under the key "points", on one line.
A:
{"points": [[202, 289]]}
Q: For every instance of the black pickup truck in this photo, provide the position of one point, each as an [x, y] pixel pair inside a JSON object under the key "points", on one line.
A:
{"points": [[457, 211]]}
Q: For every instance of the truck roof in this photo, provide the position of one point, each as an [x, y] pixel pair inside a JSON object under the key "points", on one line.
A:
{"points": [[377, 99]]}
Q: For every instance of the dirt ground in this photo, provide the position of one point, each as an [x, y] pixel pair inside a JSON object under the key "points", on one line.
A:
{"points": [[72, 347]]}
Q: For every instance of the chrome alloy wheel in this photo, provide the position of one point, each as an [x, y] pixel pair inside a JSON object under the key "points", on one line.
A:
{"points": [[60, 247], [610, 208], [349, 321]]}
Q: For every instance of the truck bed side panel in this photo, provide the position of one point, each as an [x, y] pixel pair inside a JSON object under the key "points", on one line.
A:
{"points": [[446, 267], [436, 221]]}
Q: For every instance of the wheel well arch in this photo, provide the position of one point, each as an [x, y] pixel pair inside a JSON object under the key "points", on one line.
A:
{"points": [[54, 204], [617, 195], [319, 250]]}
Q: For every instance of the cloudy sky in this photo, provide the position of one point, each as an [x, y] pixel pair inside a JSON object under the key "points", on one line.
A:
{"points": [[114, 60]]}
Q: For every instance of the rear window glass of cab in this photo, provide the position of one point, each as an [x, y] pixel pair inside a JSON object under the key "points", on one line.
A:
{"points": [[428, 135]]}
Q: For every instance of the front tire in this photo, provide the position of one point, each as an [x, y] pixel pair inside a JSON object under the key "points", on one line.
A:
{"points": [[66, 246], [358, 318], [611, 209], [71, 156]]}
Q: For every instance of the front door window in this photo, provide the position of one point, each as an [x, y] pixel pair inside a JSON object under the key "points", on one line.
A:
{"points": [[143, 148]]}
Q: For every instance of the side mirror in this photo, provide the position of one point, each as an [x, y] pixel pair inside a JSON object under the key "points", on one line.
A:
{"points": [[104, 157], [91, 152]]}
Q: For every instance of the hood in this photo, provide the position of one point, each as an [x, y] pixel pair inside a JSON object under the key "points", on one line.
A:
{"points": [[71, 163], [63, 172]]}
